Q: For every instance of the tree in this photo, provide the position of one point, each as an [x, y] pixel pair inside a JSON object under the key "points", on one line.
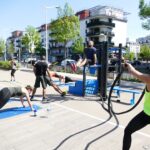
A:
{"points": [[11, 49], [2, 46], [66, 27], [78, 45], [145, 52], [129, 55], [40, 50], [31, 39], [144, 14]]}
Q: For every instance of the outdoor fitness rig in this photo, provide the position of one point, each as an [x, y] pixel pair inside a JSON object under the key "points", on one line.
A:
{"points": [[102, 68]]}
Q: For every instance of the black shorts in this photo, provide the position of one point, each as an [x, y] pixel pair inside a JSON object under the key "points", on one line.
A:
{"points": [[5, 95], [38, 80], [13, 72], [48, 80], [68, 79]]}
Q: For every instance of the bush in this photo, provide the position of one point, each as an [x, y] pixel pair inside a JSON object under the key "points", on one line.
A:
{"points": [[5, 65]]}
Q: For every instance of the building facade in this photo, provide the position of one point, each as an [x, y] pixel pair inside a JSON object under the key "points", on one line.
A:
{"points": [[144, 40], [103, 20], [93, 22]]}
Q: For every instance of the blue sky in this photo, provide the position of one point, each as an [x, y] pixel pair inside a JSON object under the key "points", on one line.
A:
{"points": [[18, 14]]}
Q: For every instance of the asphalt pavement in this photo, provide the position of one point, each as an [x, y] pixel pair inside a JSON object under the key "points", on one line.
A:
{"points": [[70, 122]]}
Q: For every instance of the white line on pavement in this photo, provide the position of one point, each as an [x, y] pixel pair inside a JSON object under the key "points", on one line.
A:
{"points": [[96, 118]]}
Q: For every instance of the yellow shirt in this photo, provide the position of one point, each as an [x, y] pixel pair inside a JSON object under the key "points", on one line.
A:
{"points": [[147, 102]]}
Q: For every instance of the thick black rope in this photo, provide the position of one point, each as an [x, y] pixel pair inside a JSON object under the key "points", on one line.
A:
{"points": [[110, 94]]}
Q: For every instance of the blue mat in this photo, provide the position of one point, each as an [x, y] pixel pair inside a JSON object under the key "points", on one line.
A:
{"points": [[14, 111], [64, 84]]}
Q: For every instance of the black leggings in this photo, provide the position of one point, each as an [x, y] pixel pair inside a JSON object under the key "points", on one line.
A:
{"points": [[137, 123], [13, 72], [4, 96]]}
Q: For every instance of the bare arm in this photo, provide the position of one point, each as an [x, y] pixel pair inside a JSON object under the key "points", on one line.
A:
{"points": [[34, 69], [22, 101], [27, 96], [95, 58], [141, 76], [48, 72]]}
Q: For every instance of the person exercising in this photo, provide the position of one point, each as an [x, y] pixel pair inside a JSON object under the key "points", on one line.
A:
{"points": [[7, 92], [90, 57], [143, 118], [61, 78]]}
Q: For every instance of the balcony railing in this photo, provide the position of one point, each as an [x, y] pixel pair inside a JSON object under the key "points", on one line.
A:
{"points": [[98, 43], [100, 23], [100, 32]]}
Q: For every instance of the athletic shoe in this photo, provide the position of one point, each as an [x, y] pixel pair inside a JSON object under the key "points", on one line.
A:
{"points": [[44, 99], [63, 94], [31, 98]]}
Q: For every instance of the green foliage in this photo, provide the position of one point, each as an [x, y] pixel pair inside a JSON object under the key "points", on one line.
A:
{"points": [[78, 46], [11, 48], [31, 39], [66, 27], [40, 50], [5, 65], [145, 52], [2, 46], [144, 13], [129, 55], [67, 11]]}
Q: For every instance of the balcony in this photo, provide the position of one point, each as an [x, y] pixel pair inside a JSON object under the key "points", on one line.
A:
{"points": [[89, 34], [93, 33], [98, 43], [100, 23]]}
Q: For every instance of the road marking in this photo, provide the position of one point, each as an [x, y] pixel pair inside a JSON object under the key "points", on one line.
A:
{"points": [[96, 118]]}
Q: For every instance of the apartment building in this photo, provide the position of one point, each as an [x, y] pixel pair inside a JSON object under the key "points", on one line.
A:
{"points": [[103, 20], [94, 21], [15, 40], [144, 40]]}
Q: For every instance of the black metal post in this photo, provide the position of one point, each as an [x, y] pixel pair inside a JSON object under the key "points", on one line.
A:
{"points": [[99, 56], [104, 70], [119, 61], [84, 81]]}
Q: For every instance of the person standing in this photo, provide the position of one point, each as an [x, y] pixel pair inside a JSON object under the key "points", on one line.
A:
{"points": [[143, 118], [13, 69], [40, 69]]}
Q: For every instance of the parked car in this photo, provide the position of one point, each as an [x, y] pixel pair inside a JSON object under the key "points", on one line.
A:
{"points": [[29, 60], [67, 62], [136, 62]]}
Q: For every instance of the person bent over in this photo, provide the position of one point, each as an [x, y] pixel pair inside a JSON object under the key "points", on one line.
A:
{"points": [[7, 92]]}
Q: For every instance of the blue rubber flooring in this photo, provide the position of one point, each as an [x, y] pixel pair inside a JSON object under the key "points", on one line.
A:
{"points": [[14, 111]]}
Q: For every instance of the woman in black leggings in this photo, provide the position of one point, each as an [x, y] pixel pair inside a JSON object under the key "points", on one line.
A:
{"points": [[137, 123], [143, 118]]}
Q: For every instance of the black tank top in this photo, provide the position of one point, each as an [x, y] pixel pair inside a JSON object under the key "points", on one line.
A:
{"points": [[16, 91]]}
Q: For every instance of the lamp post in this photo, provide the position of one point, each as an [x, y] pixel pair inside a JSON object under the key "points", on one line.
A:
{"points": [[46, 31]]}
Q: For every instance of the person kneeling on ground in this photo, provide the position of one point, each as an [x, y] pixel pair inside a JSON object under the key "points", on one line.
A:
{"points": [[7, 92]]}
